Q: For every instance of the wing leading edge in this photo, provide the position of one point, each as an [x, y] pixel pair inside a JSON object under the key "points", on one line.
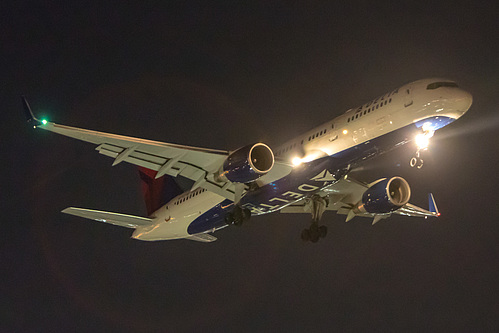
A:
{"points": [[122, 220], [197, 164], [343, 195]]}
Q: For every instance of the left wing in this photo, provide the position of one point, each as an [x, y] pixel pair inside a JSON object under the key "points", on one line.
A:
{"points": [[347, 192], [194, 163]]}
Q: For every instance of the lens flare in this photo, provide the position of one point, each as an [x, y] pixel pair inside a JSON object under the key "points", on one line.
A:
{"points": [[422, 141], [296, 161]]}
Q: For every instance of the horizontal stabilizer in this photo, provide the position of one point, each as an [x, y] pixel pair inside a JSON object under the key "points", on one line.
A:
{"points": [[122, 220], [205, 238]]}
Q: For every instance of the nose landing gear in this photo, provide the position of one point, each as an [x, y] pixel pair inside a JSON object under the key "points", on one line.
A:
{"points": [[417, 161], [422, 142]]}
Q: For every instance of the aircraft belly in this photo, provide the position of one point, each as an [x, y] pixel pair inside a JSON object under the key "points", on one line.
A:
{"points": [[174, 223]]}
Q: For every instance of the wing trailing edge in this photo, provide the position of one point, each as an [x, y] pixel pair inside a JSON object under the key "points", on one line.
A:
{"points": [[122, 220]]}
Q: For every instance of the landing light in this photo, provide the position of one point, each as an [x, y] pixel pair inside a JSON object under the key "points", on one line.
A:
{"points": [[423, 139], [296, 161], [345, 131]]}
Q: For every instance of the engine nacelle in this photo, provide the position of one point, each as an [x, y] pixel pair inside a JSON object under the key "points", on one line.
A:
{"points": [[385, 196], [248, 163]]}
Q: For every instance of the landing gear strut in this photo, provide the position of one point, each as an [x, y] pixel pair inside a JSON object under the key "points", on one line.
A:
{"points": [[238, 216], [422, 142], [316, 205]]}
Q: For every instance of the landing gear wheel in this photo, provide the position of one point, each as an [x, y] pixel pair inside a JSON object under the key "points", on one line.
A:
{"points": [[416, 162], [314, 233], [322, 231], [246, 214], [238, 216], [229, 218]]}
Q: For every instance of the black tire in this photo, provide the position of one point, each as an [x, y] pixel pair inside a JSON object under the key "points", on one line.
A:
{"points": [[246, 214], [238, 216], [314, 233], [322, 231], [305, 235], [229, 218]]}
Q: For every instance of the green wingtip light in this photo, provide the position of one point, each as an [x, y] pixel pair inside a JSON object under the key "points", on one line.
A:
{"points": [[44, 121]]}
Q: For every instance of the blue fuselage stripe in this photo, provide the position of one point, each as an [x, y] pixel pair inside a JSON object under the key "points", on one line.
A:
{"points": [[299, 183]]}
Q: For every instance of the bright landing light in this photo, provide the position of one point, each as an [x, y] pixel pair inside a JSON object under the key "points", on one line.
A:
{"points": [[296, 161], [423, 139]]}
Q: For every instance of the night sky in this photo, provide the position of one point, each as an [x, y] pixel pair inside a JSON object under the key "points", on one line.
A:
{"points": [[223, 75]]}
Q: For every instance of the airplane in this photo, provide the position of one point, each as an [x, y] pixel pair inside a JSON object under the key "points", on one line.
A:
{"points": [[307, 174]]}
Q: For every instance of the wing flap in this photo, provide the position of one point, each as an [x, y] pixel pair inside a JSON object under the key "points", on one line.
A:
{"points": [[204, 238], [122, 220], [194, 163], [412, 210]]}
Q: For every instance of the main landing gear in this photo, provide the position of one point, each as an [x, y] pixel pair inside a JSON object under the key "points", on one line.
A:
{"points": [[316, 205], [238, 216], [314, 232]]}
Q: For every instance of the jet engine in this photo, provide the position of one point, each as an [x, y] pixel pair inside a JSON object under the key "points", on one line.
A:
{"points": [[385, 196], [247, 163]]}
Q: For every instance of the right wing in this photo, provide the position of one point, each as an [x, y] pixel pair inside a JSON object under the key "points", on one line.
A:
{"points": [[194, 163], [347, 192]]}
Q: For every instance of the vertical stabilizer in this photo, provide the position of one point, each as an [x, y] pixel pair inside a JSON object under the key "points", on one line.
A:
{"points": [[157, 191]]}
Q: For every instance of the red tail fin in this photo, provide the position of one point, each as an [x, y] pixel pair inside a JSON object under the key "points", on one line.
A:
{"points": [[157, 192]]}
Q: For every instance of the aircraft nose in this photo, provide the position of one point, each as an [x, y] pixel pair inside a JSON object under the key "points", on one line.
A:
{"points": [[463, 101]]}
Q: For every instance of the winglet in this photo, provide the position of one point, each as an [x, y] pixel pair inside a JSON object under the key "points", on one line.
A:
{"points": [[30, 117], [432, 204]]}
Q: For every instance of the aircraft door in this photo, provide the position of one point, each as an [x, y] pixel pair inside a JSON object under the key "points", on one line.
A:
{"points": [[333, 136], [408, 96]]}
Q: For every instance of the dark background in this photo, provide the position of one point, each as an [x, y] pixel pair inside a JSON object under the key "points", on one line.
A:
{"points": [[223, 75]]}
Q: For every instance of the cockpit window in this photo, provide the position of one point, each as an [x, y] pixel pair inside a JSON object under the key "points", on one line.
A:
{"points": [[436, 85]]}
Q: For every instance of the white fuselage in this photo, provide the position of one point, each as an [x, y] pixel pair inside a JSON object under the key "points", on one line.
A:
{"points": [[404, 106]]}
